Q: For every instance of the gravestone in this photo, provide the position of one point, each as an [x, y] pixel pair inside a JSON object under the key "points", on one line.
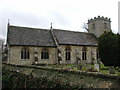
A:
{"points": [[96, 67], [79, 67], [111, 70]]}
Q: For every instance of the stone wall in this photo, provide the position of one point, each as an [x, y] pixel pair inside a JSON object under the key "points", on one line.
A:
{"points": [[14, 55], [99, 25], [68, 77], [77, 51]]}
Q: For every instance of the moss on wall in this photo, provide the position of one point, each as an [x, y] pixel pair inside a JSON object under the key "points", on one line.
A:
{"points": [[43, 77]]}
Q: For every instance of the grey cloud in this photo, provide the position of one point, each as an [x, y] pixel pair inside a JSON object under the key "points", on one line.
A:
{"points": [[60, 19], [27, 19], [17, 18], [32, 20]]}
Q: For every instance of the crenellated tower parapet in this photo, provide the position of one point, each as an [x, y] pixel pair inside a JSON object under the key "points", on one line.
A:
{"points": [[99, 18], [98, 25]]}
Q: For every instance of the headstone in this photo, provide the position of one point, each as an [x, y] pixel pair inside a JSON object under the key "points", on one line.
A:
{"points": [[96, 67], [79, 67], [111, 70]]}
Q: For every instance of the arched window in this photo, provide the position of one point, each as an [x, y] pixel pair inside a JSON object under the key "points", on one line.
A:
{"points": [[68, 54], [25, 54], [44, 54], [84, 53], [97, 54]]}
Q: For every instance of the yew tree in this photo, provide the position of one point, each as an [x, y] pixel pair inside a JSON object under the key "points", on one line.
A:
{"points": [[118, 35], [108, 49]]}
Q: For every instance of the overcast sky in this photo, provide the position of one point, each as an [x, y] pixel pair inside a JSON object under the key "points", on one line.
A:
{"points": [[64, 14]]}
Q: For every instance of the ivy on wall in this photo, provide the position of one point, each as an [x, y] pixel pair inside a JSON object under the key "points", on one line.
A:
{"points": [[12, 80]]}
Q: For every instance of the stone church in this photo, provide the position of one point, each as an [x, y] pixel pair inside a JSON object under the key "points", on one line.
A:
{"points": [[27, 46]]}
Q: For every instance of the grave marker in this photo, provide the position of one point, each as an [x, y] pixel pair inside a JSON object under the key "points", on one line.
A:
{"points": [[96, 67]]}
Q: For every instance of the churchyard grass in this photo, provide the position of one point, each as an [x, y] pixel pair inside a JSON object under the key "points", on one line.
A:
{"points": [[103, 69]]}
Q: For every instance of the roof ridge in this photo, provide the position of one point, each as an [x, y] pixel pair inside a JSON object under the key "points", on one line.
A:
{"points": [[72, 31], [28, 27], [49, 29]]}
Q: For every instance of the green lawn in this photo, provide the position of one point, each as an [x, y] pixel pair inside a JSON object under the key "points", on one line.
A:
{"points": [[103, 69]]}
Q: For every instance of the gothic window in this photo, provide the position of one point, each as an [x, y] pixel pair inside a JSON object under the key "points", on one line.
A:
{"points": [[44, 54], [93, 26], [25, 54], [68, 54], [84, 53], [97, 54], [105, 25]]}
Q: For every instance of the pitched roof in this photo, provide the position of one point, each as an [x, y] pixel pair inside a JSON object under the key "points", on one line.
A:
{"points": [[75, 38], [43, 37], [29, 36]]}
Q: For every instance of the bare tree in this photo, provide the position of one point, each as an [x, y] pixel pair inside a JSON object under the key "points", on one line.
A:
{"points": [[85, 26]]}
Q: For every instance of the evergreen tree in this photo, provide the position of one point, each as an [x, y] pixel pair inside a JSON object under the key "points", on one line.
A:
{"points": [[118, 35], [108, 49]]}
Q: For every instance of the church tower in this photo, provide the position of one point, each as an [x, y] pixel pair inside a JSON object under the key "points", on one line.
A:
{"points": [[99, 25]]}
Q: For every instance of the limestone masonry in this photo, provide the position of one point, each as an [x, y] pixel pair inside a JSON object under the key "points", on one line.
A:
{"points": [[26, 46]]}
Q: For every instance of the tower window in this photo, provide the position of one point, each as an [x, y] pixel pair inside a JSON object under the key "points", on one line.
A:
{"points": [[68, 53], [105, 25], [84, 53], [93, 26], [25, 54], [44, 54]]}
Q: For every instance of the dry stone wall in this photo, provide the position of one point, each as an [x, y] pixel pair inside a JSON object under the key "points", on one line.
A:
{"points": [[73, 78]]}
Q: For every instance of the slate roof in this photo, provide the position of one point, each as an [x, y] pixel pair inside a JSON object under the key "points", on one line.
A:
{"points": [[43, 37], [29, 36], [75, 38]]}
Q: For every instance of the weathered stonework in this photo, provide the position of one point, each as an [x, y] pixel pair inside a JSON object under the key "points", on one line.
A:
{"points": [[15, 56], [77, 51], [67, 76], [54, 40], [101, 24]]}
